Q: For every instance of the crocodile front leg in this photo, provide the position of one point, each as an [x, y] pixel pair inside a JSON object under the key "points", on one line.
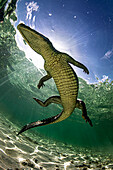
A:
{"points": [[43, 79], [81, 105], [77, 64]]}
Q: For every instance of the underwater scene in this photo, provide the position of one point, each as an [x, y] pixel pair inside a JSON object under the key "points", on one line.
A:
{"points": [[82, 29]]}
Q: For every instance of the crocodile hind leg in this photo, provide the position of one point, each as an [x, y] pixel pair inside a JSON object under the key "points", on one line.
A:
{"points": [[81, 105], [53, 99]]}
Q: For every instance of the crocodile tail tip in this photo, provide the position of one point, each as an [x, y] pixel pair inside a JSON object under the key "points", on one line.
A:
{"points": [[40, 123], [22, 130]]}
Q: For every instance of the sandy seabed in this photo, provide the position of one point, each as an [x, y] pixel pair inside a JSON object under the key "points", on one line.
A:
{"points": [[30, 151]]}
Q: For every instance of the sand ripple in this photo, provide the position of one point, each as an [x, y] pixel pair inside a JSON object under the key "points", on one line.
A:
{"points": [[24, 152]]}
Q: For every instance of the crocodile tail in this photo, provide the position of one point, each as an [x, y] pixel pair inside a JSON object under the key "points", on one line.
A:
{"points": [[40, 123]]}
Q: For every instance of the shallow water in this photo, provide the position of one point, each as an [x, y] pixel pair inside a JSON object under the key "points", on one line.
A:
{"points": [[30, 150], [70, 144]]}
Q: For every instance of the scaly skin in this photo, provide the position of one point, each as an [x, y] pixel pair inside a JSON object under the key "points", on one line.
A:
{"points": [[57, 67]]}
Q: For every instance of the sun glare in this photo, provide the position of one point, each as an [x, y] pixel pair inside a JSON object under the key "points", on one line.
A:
{"points": [[60, 45]]}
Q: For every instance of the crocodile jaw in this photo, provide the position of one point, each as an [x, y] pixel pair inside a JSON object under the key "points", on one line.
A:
{"points": [[38, 42], [29, 34]]}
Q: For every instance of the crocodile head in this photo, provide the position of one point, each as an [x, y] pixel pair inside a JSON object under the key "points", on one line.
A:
{"points": [[36, 41]]}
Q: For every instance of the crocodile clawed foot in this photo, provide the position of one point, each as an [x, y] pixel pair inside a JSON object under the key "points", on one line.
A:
{"points": [[86, 70], [87, 119], [40, 85]]}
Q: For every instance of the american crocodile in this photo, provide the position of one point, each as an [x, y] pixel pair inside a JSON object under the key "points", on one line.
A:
{"points": [[57, 67]]}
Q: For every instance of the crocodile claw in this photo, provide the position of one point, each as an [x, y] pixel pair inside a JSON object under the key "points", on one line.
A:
{"points": [[87, 119], [40, 85]]}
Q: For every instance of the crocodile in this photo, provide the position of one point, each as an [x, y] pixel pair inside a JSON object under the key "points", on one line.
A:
{"points": [[57, 66]]}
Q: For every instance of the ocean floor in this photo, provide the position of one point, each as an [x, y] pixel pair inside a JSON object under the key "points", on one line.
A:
{"points": [[30, 151]]}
